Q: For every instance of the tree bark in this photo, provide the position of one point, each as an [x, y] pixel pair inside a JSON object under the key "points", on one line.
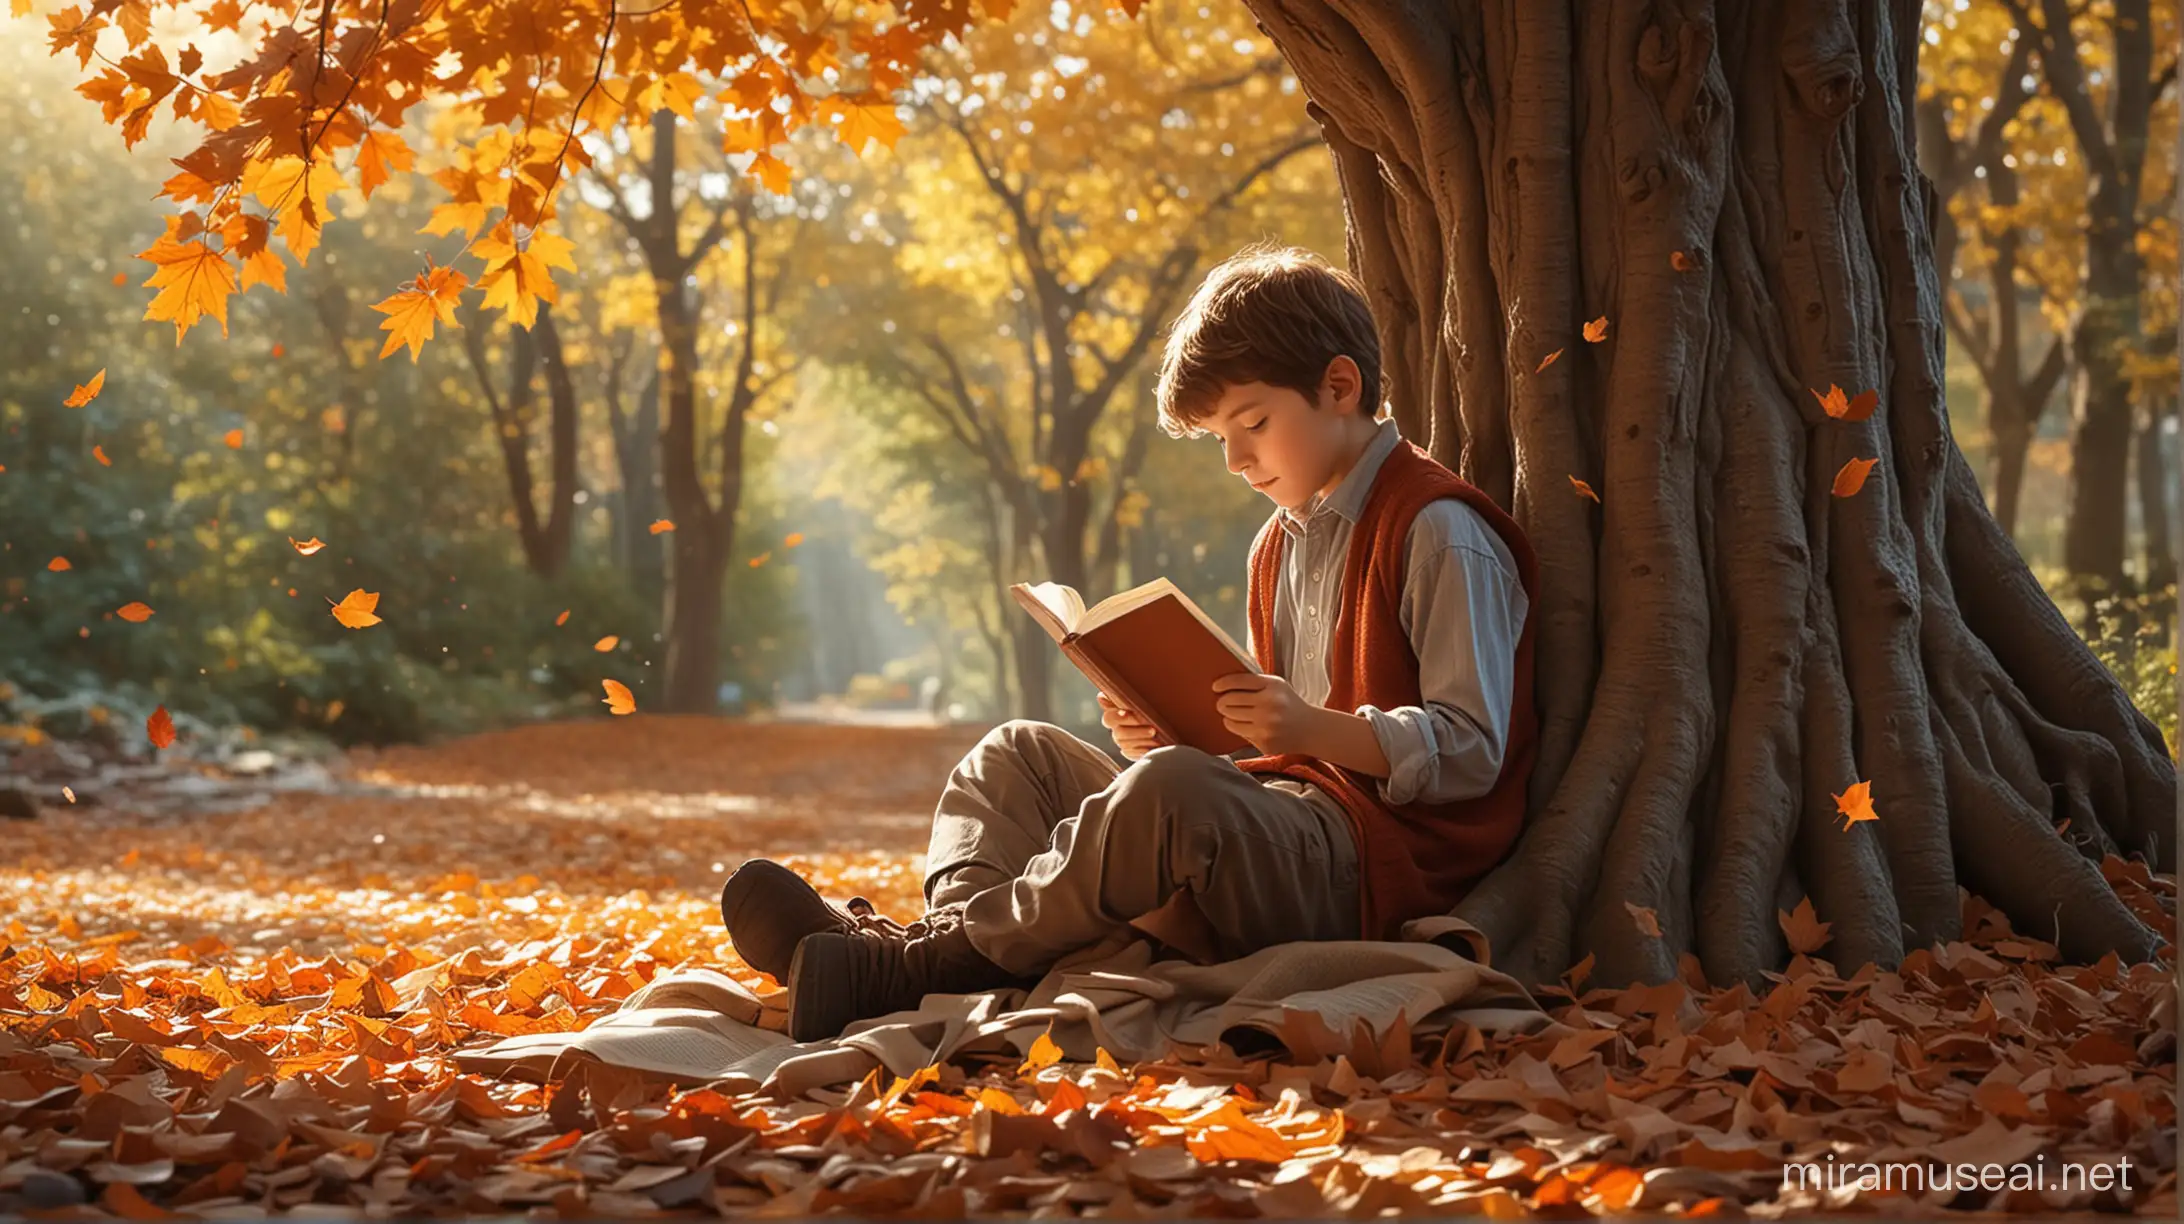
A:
{"points": [[545, 544], [1723, 646], [2157, 557]]}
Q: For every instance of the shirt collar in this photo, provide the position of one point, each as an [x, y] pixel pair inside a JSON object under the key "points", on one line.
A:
{"points": [[1348, 499]]}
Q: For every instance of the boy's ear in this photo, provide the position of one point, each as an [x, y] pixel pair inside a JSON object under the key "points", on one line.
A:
{"points": [[1342, 385]]}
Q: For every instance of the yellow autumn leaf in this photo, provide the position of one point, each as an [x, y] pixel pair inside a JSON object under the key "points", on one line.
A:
{"points": [[381, 150], [193, 281], [411, 313]]}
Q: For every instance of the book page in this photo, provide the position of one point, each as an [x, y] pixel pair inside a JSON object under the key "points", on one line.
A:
{"points": [[1122, 602], [1057, 608]]}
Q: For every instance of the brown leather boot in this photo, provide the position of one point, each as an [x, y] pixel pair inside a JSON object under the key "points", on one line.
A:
{"points": [[768, 908], [842, 976]]}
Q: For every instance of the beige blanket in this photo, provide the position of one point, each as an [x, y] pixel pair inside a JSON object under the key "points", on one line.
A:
{"points": [[1314, 999]]}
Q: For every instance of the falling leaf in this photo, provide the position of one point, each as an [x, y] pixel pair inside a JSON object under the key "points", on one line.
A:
{"points": [[1645, 919], [58, 564], [1835, 403], [99, 453], [618, 699], [306, 547], [235, 439], [160, 728], [793, 539], [605, 644], [1682, 261], [121, 278], [1597, 330], [193, 280], [356, 609], [660, 525], [1863, 406], [562, 619], [68, 793], [761, 559], [1584, 490], [86, 392], [280, 350], [1852, 477], [1856, 804], [1548, 360], [134, 613], [1803, 928]]}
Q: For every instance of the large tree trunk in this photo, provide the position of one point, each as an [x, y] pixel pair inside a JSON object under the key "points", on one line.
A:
{"points": [[2157, 559], [1724, 646]]}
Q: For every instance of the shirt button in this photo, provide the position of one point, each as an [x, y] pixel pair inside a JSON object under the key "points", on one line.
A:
{"points": [[1307, 654], [1315, 575], [1311, 611]]}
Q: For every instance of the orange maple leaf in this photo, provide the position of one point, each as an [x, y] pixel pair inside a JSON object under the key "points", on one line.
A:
{"points": [[134, 613], [660, 525], [1548, 360], [58, 564], [160, 728], [618, 699], [380, 150], [193, 281], [1862, 405], [1803, 928], [307, 547], [234, 439], [605, 644], [356, 609], [86, 392], [1838, 404], [1584, 490], [99, 453], [1597, 330], [562, 619], [1835, 403], [1852, 477], [1856, 804], [1645, 918], [411, 313]]}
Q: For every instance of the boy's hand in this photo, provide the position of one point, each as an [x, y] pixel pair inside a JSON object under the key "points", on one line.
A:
{"points": [[1134, 735], [1266, 711]]}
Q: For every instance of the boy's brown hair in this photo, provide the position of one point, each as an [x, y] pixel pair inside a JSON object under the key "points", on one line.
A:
{"points": [[1269, 313]]}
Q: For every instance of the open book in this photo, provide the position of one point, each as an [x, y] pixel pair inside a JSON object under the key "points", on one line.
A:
{"points": [[691, 1026], [1150, 648]]}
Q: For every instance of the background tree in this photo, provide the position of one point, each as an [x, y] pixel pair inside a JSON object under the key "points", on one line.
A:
{"points": [[2099, 67]]}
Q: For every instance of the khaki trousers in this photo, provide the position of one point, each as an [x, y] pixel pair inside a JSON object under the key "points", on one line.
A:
{"points": [[1052, 846]]}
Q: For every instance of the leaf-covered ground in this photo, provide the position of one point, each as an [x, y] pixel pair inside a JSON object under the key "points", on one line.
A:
{"points": [[231, 1014]]}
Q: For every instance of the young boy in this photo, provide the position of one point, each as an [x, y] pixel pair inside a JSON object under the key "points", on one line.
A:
{"points": [[1388, 603]]}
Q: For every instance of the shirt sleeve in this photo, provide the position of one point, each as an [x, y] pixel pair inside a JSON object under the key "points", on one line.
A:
{"points": [[1463, 610]]}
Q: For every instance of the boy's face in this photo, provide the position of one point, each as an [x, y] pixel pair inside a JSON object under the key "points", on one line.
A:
{"points": [[1284, 445]]}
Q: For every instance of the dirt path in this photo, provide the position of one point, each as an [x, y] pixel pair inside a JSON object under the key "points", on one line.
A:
{"points": [[560, 823]]}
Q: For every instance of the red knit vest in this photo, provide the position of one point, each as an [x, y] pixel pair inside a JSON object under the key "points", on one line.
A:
{"points": [[1416, 859]]}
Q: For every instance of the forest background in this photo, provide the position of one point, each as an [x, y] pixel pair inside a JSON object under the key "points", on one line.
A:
{"points": [[923, 371]]}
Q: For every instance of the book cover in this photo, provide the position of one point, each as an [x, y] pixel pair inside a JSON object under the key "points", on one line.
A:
{"points": [[1152, 649]]}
